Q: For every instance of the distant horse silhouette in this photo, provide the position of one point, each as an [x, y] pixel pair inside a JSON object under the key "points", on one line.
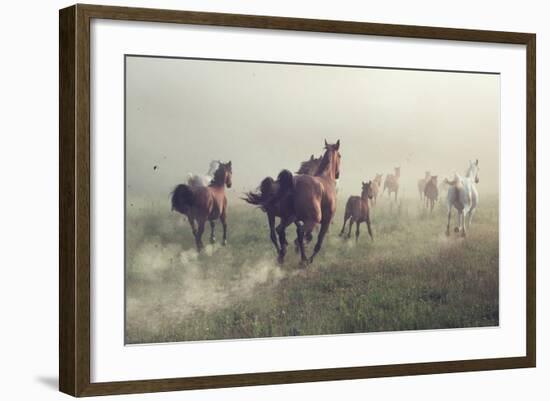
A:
{"points": [[462, 195], [431, 192], [198, 180], [357, 210], [203, 204], [375, 186], [422, 184], [391, 183]]}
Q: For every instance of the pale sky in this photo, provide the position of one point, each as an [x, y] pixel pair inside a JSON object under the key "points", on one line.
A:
{"points": [[180, 114]]}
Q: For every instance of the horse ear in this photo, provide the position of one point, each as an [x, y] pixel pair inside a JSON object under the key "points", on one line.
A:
{"points": [[228, 163], [338, 144], [312, 157], [326, 143], [477, 162]]}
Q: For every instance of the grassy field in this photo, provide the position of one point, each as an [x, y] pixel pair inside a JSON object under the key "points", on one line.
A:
{"points": [[411, 277]]}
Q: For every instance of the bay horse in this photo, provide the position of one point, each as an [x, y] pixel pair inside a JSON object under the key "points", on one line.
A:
{"points": [[305, 200], [357, 211], [375, 186], [202, 204], [391, 183], [462, 195], [431, 192], [314, 199], [277, 203], [422, 184]]}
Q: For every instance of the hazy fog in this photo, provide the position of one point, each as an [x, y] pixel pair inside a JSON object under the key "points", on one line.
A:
{"points": [[180, 114]]}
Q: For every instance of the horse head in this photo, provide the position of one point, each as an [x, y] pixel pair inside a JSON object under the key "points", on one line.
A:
{"points": [[223, 174], [366, 190], [473, 171], [332, 158]]}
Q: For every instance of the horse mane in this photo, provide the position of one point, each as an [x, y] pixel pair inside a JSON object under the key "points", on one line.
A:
{"points": [[307, 167], [324, 163], [219, 175]]}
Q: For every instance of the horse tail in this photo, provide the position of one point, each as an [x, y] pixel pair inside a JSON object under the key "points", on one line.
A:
{"points": [[261, 197], [286, 182], [182, 198]]}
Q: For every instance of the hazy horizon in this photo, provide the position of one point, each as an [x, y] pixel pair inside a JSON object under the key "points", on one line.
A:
{"points": [[183, 113]]}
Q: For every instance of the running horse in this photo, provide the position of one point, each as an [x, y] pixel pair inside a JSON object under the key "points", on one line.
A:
{"points": [[202, 204], [431, 192], [278, 204], [422, 184], [306, 200], [357, 211], [462, 195], [391, 183], [375, 186]]}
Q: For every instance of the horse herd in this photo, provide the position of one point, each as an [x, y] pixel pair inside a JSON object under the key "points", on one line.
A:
{"points": [[307, 199]]}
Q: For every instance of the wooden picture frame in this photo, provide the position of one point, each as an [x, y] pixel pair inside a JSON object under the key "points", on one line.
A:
{"points": [[74, 199]]}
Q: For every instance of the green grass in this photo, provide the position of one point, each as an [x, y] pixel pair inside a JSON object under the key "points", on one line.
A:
{"points": [[411, 277]]}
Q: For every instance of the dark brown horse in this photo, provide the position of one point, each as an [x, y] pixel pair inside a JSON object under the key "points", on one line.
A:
{"points": [[431, 192], [203, 204], [357, 210], [276, 203]]}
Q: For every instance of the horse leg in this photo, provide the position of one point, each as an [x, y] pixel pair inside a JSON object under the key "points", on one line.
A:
{"points": [[300, 239], [448, 232], [351, 221], [463, 223], [344, 225], [282, 239], [369, 228], [200, 231], [212, 229], [223, 219], [470, 216], [324, 228], [272, 233], [357, 224], [193, 228]]}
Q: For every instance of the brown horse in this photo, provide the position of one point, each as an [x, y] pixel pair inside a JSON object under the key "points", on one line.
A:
{"points": [[276, 203], [357, 210], [315, 200], [431, 192], [375, 186], [304, 200], [203, 204], [422, 184], [391, 183]]}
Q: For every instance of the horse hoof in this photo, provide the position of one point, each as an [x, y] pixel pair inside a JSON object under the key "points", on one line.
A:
{"points": [[463, 234], [456, 229], [281, 260], [213, 240], [304, 263], [224, 243]]}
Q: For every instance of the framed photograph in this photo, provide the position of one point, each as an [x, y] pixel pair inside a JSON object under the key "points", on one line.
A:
{"points": [[250, 200]]}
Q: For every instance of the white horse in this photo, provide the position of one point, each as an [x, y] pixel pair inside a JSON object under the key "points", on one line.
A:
{"points": [[462, 195], [199, 180]]}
